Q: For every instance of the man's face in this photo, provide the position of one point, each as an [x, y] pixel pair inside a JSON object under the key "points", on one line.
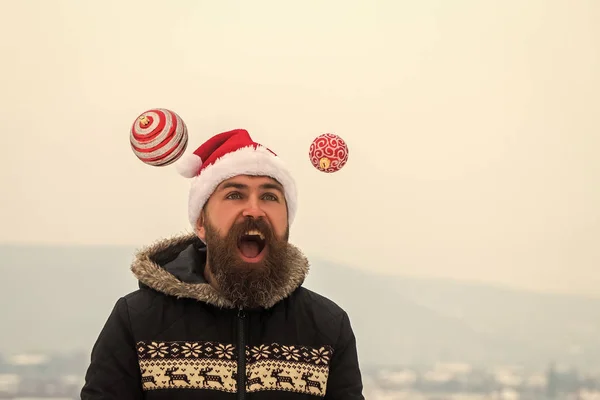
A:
{"points": [[239, 198], [245, 228]]}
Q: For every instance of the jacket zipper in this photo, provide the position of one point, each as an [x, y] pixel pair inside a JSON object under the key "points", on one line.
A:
{"points": [[241, 383]]}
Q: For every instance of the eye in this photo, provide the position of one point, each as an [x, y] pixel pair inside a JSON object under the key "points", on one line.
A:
{"points": [[270, 197], [234, 196]]}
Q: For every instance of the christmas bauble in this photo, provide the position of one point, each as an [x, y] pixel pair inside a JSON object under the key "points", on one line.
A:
{"points": [[328, 153], [158, 137]]}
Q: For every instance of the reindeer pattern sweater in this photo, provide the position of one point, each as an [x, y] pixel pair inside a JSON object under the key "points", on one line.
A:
{"points": [[176, 338]]}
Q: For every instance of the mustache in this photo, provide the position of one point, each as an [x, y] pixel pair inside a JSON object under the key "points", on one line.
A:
{"points": [[250, 224]]}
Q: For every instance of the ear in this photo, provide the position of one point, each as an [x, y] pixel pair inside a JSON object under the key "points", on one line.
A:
{"points": [[200, 229]]}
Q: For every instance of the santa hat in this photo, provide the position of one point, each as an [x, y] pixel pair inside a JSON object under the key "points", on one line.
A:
{"points": [[226, 155]]}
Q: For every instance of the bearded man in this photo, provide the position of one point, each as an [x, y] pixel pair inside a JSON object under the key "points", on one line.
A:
{"points": [[221, 313]]}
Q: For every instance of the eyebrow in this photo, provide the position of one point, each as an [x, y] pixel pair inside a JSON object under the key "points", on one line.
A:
{"points": [[241, 186]]}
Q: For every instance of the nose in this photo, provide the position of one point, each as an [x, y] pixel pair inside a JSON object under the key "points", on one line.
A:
{"points": [[253, 210]]}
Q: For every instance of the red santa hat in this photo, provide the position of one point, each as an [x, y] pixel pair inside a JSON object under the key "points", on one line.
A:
{"points": [[226, 155]]}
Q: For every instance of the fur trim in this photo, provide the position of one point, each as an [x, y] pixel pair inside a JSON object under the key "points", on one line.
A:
{"points": [[245, 161], [147, 268]]}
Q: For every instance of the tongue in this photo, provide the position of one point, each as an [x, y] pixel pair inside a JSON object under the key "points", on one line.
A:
{"points": [[249, 248]]}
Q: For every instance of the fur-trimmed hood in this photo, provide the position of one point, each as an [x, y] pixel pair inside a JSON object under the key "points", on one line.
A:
{"points": [[174, 267]]}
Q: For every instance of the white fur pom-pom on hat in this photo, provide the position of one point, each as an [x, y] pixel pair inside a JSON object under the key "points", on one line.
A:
{"points": [[189, 165]]}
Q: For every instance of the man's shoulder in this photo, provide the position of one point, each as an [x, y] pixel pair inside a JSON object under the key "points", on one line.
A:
{"points": [[319, 302], [320, 312], [142, 299]]}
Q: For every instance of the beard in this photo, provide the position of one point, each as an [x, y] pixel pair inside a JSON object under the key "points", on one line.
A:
{"points": [[245, 284]]}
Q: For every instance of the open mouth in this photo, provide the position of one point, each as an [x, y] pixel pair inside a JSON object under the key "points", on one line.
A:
{"points": [[252, 244]]}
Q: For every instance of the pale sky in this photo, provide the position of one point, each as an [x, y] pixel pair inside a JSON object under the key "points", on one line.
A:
{"points": [[472, 125]]}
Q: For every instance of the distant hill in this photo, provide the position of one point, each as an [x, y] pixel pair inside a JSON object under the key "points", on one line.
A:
{"points": [[426, 320], [57, 299]]}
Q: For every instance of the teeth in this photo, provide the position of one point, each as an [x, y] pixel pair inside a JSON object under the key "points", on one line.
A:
{"points": [[256, 232]]}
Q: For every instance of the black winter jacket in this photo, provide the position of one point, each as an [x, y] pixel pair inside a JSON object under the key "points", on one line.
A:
{"points": [[176, 338]]}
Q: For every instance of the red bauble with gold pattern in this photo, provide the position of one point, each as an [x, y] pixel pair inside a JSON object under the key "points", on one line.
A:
{"points": [[328, 153]]}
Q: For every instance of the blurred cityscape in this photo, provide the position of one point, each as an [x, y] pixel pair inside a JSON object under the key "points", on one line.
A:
{"points": [[58, 377]]}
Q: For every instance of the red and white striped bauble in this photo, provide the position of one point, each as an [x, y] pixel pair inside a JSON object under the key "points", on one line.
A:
{"points": [[158, 137], [328, 153]]}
